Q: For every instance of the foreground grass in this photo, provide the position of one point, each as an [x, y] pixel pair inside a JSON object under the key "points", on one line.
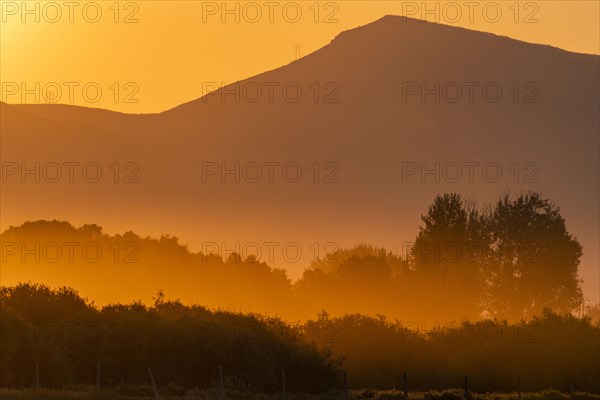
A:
{"points": [[124, 393]]}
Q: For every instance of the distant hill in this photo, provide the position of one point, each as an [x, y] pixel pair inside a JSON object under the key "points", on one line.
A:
{"points": [[361, 116]]}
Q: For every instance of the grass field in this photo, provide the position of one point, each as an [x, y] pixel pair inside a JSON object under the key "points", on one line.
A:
{"points": [[89, 393]]}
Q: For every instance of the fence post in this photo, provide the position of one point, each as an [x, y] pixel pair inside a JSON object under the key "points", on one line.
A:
{"points": [[98, 376], [519, 386], [346, 385], [37, 375], [153, 383], [221, 383], [571, 392], [404, 385], [283, 382], [467, 387]]}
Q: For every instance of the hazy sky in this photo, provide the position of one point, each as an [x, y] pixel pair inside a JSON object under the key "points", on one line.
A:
{"points": [[148, 56]]}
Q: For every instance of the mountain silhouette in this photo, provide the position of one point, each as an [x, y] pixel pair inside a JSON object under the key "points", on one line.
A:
{"points": [[362, 116]]}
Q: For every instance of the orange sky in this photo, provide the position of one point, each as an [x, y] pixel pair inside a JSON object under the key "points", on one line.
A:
{"points": [[148, 56]]}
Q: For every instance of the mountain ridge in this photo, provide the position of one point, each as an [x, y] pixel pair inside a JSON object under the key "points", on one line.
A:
{"points": [[385, 21], [363, 140]]}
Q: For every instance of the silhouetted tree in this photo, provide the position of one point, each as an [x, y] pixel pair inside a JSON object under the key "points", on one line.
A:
{"points": [[534, 259], [447, 259]]}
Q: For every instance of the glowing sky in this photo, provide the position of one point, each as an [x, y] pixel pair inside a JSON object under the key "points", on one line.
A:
{"points": [[148, 56]]}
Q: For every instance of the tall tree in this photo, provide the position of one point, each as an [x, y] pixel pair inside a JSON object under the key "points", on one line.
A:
{"points": [[445, 257], [534, 259]]}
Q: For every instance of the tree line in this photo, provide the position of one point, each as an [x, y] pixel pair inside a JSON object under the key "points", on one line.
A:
{"points": [[186, 347], [183, 345], [507, 261]]}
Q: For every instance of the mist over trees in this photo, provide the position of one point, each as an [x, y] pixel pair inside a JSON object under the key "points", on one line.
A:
{"points": [[489, 291], [506, 261], [548, 351], [185, 345]]}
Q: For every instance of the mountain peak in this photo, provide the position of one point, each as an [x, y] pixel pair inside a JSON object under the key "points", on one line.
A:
{"points": [[394, 28]]}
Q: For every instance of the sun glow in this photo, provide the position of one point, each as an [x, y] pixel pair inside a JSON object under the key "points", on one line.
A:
{"points": [[170, 49]]}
